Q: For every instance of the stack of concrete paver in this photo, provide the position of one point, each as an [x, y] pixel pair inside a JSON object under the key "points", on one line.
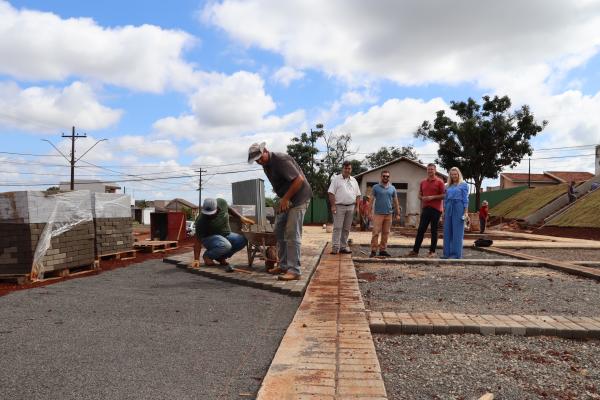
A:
{"points": [[41, 233], [113, 223]]}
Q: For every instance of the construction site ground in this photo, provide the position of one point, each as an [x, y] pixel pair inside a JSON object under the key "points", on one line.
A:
{"points": [[397, 329]]}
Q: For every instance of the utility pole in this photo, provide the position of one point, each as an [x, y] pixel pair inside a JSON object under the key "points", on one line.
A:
{"points": [[72, 161], [200, 171], [73, 136]]}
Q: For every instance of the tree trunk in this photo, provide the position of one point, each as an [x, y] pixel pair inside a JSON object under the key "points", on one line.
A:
{"points": [[477, 194]]}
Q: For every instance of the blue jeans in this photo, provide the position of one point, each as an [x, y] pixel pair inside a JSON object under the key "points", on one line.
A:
{"points": [[288, 230], [218, 247]]}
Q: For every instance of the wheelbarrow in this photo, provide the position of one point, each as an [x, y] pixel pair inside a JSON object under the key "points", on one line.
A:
{"points": [[262, 243]]}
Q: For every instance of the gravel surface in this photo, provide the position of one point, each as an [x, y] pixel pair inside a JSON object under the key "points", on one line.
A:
{"points": [[150, 331], [564, 254], [364, 251], [468, 366], [477, 290]]}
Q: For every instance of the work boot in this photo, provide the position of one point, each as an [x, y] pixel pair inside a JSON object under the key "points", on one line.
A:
{"points": [[223, 261], [275, 271], [411, 254], [345, 251], [373, 254], [229, 268], [383, 253], [289, 276], [208, 261], [431, 254], [334, 252]]}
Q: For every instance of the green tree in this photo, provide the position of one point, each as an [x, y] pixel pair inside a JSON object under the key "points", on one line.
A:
{"points": [[53, 190], [337, 150], [387, 154], [303, 149], [189, 214], [357, 167], [486, 138]]}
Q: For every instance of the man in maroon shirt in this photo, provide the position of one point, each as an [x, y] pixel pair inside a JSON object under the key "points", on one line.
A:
{"points": [[431, 193]]}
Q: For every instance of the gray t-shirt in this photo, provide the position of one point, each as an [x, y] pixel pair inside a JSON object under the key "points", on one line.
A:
{"points": [[281, 171]]}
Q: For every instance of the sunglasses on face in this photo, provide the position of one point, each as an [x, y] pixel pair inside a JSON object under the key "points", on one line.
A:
{"points": [[385, 176]]}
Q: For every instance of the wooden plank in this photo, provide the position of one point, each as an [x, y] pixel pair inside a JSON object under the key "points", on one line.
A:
{"points": [[119, 255]]}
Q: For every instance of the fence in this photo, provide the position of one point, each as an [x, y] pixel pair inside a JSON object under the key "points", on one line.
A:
{"points": [[317, 212], [494, 197]]}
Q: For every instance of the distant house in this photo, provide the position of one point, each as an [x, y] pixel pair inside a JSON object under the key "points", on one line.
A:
{"points": [[181, 204], [91, 185], [406, 176], [514, 179], [170, 205]]}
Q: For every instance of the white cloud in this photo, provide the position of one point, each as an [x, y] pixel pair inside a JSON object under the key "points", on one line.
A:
{"points": [[227, 105], [286, 75], [142, 146], [37, 45], [356, 98], [393, 122], [47, 109], [415, 42]]}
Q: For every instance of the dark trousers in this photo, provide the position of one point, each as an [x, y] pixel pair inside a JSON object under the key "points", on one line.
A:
{"points": [[428, 216], [481, 225]]}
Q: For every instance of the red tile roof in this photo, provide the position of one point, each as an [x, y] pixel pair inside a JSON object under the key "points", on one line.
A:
{"points": [[567, 176], [524, 177]]}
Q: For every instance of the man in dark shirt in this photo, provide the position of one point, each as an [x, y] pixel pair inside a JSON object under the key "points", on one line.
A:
{"points": [[213, 232], [290, 185]]}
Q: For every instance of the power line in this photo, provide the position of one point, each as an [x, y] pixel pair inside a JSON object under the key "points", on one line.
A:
{"points": [[135, 180]]}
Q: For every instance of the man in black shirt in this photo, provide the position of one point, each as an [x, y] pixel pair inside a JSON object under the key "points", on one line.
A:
{"points": [[290, 185]]}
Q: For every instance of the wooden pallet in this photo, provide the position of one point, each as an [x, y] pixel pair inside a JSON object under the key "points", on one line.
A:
{"points": [[73, 271], [155, 246], [119, 255]]}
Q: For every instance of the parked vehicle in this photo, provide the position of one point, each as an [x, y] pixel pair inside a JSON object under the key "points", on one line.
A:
{"points": [[190, 228]]}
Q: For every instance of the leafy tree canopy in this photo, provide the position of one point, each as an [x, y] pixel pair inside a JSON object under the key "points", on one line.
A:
{"points": [[485, 139], [387, 154]]}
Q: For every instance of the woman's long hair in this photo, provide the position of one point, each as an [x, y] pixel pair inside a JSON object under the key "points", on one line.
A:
{"points": [[460, 177]]}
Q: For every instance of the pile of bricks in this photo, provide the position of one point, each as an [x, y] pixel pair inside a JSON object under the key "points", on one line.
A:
{"points": [[73, 248], [113, 223], [113, 235], [16, 248], [24, 217]]}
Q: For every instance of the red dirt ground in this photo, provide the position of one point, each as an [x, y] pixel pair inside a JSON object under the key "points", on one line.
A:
{"points": [[108, 265], [577, 233]]}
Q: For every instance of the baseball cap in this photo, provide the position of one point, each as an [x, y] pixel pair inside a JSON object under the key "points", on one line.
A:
{"points": [[255, 151], [209, 207]]}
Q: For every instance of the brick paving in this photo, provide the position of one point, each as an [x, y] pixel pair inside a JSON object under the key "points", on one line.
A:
{"points": [[327, 352], [519, 325], [312, 248]]}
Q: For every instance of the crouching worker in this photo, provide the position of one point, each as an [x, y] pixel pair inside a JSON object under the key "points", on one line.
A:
{"points": [[213, 232]]}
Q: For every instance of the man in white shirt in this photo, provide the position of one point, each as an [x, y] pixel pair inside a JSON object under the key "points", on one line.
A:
{"points": [[344, 197]]}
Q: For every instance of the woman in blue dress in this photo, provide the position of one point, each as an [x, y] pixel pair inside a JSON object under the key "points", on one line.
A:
{"points": [[456, 206]]}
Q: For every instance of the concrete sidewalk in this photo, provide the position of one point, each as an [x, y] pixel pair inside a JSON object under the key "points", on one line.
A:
{"points": [[150, 331]]}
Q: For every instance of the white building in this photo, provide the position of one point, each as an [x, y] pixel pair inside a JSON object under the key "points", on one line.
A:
{"points": [[406, 176], [91, 185]]}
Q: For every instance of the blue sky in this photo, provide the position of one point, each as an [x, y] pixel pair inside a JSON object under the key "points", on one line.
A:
{"points": [[174, 87]]}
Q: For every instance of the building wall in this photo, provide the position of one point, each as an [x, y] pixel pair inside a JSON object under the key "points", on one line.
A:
{"points": [[401, 172], [508, 184], [92, 187]]}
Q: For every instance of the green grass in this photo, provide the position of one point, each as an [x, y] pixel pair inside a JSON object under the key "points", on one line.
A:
{"points": [[528, 201], [583, 214]]}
